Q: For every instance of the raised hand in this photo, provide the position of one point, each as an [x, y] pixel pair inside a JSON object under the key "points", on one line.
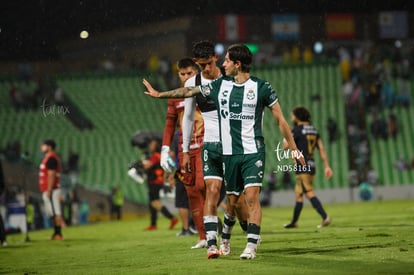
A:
{"points": [[150, 90]]}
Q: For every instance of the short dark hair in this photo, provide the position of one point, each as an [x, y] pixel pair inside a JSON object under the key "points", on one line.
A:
{"points": [[185, 63], [50, 142], [203, 49], [240, 52], [302, 114]]}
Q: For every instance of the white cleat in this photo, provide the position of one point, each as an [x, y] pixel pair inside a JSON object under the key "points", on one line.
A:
{"points": [[200, 244], [248, 254], [213, 252], [225, 248], [325, 222]]}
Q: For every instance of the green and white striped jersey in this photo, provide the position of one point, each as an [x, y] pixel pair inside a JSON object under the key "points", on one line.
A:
{"points": [[240, 108]]}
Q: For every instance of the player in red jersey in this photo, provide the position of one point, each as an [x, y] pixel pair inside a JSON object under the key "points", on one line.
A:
{"points": [[49, 184], [194, 181], [155, 178]]}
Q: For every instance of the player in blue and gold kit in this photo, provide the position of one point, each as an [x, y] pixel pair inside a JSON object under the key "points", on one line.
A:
{"points": [[307, 140]]}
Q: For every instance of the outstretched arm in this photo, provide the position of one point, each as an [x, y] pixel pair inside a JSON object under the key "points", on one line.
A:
{"points": [[324, 157], [176, 93], [285, 129]]}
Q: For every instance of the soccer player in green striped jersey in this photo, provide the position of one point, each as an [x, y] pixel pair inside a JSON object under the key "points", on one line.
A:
{"points": [[241, 100]]}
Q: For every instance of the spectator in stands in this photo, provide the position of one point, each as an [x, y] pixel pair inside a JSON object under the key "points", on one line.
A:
{"points": [[345, 63], [307, 55], [295, 54], [387, 94], [73, 160], [332, 129], [401, 164], [373, 96], [372, 176], [379, 127], [155, 178], [73, 167], [393, 125]]}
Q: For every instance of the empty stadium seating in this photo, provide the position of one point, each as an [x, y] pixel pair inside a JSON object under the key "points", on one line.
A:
{"points": [[116, 105]]}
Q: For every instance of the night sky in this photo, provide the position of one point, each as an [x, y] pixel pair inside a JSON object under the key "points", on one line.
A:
{"points": [[31, 29]]}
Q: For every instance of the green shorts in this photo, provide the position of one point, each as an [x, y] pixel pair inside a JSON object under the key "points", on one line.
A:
{"points": [[242, 171], [212, 161]]}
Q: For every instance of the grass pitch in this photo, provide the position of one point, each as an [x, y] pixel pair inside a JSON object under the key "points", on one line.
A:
{"points": [[364, 238]]}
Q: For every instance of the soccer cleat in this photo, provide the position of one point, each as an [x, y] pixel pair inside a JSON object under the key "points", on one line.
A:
{"points": [[325, 222], [248, 254], [173, 222], [290, 225], [151, 228], [193, 230], [225, 248], [4, 243], [213, 252], [57, 237], [184, 233], [200, 244]]}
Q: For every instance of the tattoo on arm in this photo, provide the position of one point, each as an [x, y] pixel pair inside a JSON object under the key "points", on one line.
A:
{"points": [[181, 92]]}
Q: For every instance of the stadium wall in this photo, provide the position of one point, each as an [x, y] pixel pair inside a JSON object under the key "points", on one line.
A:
{"points": [[345, 195]]}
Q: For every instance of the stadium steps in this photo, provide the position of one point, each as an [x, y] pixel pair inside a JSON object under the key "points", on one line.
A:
{"points": [[385, 153], [296, 85], [118, 108]]}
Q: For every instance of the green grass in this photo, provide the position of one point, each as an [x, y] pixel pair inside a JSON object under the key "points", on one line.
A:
{"points": [[364, 238]]}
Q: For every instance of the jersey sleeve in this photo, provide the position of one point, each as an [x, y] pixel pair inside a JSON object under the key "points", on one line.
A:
{"points": [[188, 122], [208, 90], [295, 133], [270, 97], [205, 90], [52, 163]]}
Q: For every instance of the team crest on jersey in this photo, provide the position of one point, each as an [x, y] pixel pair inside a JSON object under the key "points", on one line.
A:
{"points": [[206, 90], [259, 163], [250, 95], [205, 168]]}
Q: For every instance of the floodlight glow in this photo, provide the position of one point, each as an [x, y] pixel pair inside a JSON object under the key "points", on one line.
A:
{"points": [[219, 49], [84, 34]]}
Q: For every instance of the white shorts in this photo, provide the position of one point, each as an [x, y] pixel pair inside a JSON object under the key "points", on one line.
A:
{"points": [[52, 207]]}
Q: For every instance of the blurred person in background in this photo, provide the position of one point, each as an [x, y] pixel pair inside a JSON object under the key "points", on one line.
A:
{"points": [[3, 239], [117, 201], [155, 180], [49, 184], [307, 139]]}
